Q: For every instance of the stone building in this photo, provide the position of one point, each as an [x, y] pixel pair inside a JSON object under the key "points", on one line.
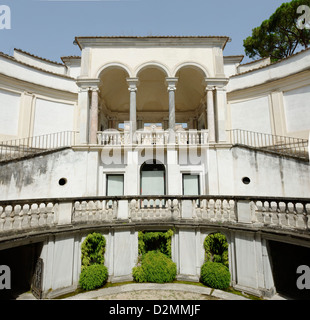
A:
{"points": [[153, 133]]}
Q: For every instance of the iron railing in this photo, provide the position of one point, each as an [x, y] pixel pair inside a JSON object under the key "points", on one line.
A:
{"points": [[18, 148], [289, 146]]}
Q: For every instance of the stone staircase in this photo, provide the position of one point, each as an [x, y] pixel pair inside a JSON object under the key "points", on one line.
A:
{"points": [[25, 147]]}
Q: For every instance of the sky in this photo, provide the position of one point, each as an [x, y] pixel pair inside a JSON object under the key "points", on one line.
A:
{"points": [[47, 28]]}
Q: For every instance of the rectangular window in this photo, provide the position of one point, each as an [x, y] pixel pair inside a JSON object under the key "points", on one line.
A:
{"points": [[115, 185], [191, 185]]}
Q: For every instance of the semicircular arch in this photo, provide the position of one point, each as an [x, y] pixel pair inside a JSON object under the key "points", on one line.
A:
{"points": [[193, 65], [152, 64], [115, 65]]}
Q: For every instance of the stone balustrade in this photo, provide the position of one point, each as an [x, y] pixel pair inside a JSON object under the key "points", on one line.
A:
{"points": [[285, 214], [152, 137], [23, 216]]}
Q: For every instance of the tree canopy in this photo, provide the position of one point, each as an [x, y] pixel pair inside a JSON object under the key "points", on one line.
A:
{"points": [[285, 32]]}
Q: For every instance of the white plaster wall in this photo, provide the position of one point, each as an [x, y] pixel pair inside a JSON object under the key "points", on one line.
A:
{"points": [[38, 177], [52, 116], [246, 262], [15, 69], [270, 175], [187, 251], [296, 108], [125, 252], [251, 115], [275, 71], [135, 57], [9, 112], [45, 65]]}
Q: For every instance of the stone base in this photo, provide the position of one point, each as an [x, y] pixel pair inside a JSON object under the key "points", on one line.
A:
{"points": [[120, 279], [186, 277]]}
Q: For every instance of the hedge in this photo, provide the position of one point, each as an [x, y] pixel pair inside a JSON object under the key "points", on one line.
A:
{"points": [[215, 275], [155, 267]]}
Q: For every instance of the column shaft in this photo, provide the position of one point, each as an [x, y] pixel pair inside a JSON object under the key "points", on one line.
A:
{"points": [[93, 117], [210, 115]]}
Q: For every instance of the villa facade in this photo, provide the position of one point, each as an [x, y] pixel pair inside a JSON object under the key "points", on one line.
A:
{"points": [[153, 133]]}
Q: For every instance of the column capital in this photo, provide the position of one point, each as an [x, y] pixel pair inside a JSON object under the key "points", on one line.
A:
{"points": [[171, 83], [132, 84], [215, 83], [88, 83]]}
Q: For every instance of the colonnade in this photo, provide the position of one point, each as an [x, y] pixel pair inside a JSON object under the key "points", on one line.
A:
{"points": [[89, 107]]}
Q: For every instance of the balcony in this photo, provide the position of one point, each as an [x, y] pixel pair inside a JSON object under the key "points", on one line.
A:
{"points": [[152, 137], [285, 215]]}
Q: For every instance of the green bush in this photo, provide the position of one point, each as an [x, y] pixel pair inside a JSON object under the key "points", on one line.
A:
{"points": [[215, 275], [93, 276], [155, 267], [216, 248], [93, 248], [153, 241]]}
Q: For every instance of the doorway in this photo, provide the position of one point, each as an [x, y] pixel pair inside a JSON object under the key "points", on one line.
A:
{"points": [[152, 178]]}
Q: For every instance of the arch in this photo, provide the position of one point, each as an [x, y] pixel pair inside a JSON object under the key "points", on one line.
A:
{"points": [[116, 65], [152, 64], [153, 178], [217, 250], [194, 65]]}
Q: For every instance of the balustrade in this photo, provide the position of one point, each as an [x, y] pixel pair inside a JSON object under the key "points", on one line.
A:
{"points": [[152, 137], [282, 213], [26, 216]]}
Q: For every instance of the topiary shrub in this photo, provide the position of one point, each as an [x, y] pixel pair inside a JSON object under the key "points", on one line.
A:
{"points": [[93, 248], [93, 271], [215, 275], [93, 277], [155, 267]]}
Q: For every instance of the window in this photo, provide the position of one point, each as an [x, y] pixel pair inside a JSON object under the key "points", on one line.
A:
{"points": [[191, 185], [115, 185]]}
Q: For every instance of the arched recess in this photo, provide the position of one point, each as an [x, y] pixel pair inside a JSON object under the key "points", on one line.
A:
{"points": [[114, 97], [152, 95], [152, 178], [190, 96]]}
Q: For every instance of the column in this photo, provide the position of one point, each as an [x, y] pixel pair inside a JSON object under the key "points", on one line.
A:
{"points": [[171, 82], [83, 105], [221, 106], [210, 114], [93, 116], [88, 120], [133, 83]]}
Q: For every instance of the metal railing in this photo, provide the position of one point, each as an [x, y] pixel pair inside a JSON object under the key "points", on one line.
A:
{"points": [[18, 148], [289, 146]]}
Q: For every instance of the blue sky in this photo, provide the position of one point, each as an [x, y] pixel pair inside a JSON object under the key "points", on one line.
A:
{"points": [[47, 27]]}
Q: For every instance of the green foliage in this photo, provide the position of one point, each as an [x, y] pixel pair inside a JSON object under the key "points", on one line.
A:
{"points": [[93, 248], [150, 241], [216, 247], [215, 275], [278, 37], [93, 276], [155, 267], [94, 273]]}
